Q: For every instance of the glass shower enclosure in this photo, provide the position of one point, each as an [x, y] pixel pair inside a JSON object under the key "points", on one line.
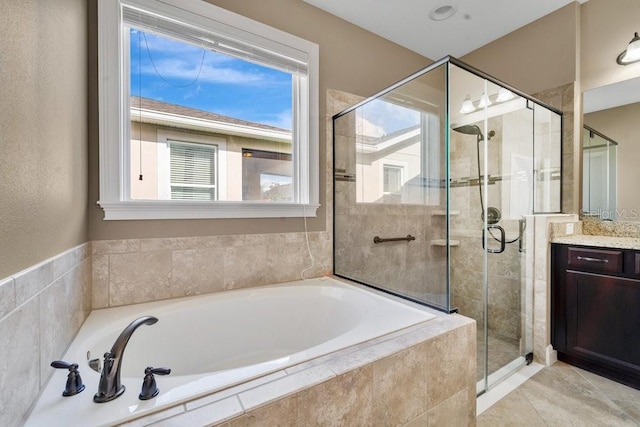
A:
{"points": [[436, 181]]}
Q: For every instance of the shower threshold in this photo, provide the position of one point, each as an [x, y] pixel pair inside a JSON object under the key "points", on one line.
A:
{"points": [[504, 381]]}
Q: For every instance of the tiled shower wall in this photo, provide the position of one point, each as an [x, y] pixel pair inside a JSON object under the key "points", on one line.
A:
{"points": [[417, 268], [562, 98], [508, 272], [41, 310], [467, 268]]}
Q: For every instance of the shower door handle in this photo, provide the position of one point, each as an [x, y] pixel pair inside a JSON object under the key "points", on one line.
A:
{"points": [[503, 241]]}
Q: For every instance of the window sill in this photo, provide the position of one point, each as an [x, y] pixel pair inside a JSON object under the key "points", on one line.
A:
{"points": [[159, 209]]}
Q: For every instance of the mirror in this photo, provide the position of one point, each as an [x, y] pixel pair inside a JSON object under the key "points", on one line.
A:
{"points": [[611, 147]]}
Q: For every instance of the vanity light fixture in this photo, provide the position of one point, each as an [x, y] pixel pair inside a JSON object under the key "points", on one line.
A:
{"points": [[504, 95], [632, 53], [467, 106], [484, 101]]}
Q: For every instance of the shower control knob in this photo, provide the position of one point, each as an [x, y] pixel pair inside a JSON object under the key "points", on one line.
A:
{"points": [[74, 381], [149, 386]]}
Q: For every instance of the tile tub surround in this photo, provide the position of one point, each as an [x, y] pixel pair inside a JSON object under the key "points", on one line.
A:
{"points": [[140, 270], [422, 375], [41, 309]]}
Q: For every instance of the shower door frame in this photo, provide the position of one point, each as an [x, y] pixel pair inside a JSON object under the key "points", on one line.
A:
{"points": [[488, 381], [447, 61]]}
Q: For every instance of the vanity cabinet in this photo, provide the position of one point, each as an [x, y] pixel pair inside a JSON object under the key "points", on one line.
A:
{"points": [[595, 306]]}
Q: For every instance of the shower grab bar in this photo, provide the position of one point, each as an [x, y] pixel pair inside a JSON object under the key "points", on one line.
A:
{"points": [[408, 238]]}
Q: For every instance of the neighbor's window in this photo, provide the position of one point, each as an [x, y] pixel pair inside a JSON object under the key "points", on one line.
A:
{"points": [[193, 171], [240, 95], [392, 179], [266, 175]]}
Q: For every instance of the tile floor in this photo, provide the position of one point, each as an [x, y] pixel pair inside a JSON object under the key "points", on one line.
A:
{"points": [[562, 395]]}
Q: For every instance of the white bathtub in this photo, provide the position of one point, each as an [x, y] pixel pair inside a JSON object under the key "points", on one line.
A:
{"points": [[212, 342]]}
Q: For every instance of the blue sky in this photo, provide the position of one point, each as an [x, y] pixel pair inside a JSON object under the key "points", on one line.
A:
{"points": [[178, 73]]}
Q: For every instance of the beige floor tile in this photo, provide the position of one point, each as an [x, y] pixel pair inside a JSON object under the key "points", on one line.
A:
{"points": [[562, 395], [514, 410]]}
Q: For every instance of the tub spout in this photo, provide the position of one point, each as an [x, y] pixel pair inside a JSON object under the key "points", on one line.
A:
{"points": [[110, 387]]}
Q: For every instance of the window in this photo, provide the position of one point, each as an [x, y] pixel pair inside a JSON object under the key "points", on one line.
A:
{"points": [[392, 179], [193, 171], [266, 175], [242, 97]]}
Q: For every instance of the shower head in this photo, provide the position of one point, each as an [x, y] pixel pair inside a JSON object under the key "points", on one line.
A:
{"points": [[469, 130], [473, 130]]}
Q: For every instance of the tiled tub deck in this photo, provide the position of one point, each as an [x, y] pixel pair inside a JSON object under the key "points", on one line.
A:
{"points": [[422, 375]]}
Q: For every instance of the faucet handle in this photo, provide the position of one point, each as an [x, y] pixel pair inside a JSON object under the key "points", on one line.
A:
{"points": [[149, 386], [74, 381], [158, 371]]}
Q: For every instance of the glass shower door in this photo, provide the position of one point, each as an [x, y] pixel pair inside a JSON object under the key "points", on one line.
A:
{"points": [[492, 195]]}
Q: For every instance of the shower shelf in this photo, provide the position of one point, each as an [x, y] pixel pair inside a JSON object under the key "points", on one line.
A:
{"points": [[443, 212], [443, 242]]}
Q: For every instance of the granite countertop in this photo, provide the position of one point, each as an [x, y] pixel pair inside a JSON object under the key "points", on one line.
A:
{"points": [[599, 241]]}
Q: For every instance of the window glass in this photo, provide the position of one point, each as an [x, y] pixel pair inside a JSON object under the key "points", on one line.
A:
{"points": [[179, 86], [192, 72], [267, 176]]}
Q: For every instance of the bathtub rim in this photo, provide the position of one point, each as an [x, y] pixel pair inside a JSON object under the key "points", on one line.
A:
{"points": [[58, 377]]}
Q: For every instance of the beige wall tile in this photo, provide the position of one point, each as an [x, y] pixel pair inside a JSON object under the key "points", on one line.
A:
{"points": [[100, 281], [7, 296], [344, 400], [197, 271], [31, 281], [451, 363], [281, 413], [174, 243], [139, 277], [457, 410], [400, 386], [19, 362], [102, 247], [61, 315], [245, 266]]}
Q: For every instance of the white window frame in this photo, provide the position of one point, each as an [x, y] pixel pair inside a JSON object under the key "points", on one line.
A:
{"points": [[114, 124]]}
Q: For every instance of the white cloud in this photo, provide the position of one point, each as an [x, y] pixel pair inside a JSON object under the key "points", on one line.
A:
{"points": [[365, 128], [281, 120], [384, 117], [183, 72], [184, 63]]}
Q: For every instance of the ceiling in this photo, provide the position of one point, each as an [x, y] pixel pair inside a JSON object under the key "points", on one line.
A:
{"points": [[407, 22]]}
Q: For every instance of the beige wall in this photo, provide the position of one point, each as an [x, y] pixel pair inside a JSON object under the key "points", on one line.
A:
{"points": [[536, 57], [351, 60], [43, 130], [607, 28], [621, 125]]}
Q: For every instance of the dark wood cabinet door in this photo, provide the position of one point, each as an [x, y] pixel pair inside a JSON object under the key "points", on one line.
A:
{"points": [[603, 320]]}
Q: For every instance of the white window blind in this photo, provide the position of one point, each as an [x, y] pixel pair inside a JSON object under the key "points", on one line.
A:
{"points": [[193, 171], [216, 36]]}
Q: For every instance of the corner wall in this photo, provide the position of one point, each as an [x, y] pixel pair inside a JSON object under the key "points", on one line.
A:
{"points": [[43, 130]]}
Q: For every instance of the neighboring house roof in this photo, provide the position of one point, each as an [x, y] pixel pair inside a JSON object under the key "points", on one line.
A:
{"points": [[153, 111]]}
